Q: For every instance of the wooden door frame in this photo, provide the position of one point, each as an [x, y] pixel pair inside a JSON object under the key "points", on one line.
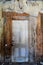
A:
{"points": [[41, 14], [39, 46], [12, 16], [8, 26]]}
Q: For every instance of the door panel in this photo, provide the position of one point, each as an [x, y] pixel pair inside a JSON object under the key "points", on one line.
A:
{"points": [[20, 40]]}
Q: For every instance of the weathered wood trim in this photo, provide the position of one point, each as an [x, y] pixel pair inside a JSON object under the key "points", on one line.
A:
{"points": [[38, 38], [14, 14], [9, 17]]}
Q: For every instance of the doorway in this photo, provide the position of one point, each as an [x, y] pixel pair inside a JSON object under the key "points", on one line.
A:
{"points": [[19, 41]]}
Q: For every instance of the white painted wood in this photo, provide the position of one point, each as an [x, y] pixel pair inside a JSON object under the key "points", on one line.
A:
{"points": [[20, 40]]}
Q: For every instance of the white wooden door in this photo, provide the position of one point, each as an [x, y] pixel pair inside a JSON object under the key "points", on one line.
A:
{"points": [[20, 41]]}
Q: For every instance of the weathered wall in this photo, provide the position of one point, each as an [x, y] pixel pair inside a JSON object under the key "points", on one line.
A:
{"points": [[1, 25], [30, 8], [1, 29]]}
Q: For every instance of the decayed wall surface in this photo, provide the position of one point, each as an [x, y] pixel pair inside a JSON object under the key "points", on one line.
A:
{"points": [[1, 25], [33, 23], [1, 30], [20, 6], [35, 34]]}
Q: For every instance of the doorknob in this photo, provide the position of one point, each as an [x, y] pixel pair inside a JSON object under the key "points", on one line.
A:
{"points": [[6, 45]]}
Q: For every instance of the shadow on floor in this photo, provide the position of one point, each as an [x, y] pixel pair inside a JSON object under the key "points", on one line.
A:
{"points": [[7, 63]]}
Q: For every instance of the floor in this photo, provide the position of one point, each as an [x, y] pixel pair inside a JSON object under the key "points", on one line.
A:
{"points": [[2, 63]]}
